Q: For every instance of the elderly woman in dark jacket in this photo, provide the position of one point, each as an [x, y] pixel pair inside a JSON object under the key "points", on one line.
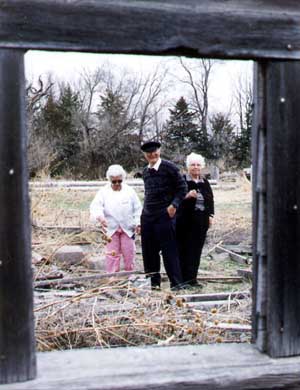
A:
{"points": [[194, 217]]}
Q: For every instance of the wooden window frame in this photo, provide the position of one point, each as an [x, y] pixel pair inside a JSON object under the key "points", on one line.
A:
{"points": [[269, 35]]}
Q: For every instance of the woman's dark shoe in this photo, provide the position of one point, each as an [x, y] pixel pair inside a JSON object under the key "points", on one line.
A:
{"points": [[195, 284]]}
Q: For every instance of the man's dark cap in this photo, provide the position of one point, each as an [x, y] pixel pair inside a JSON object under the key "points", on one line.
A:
{"points": [[150, 146]]}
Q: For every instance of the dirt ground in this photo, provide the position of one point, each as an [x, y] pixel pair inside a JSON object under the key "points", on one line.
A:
{"points": [[122, 310]]}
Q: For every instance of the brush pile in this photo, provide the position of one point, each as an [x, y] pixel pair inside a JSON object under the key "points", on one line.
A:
{"points": [[78, 307], [125, 313]]}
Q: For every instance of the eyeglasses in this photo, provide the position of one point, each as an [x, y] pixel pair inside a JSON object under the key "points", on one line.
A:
{"points": [[116, 181]]}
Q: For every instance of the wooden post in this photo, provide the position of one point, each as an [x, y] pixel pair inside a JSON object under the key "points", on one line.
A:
{"points": [[17, 345], [283, 198], [259, 207], [277, 284]]}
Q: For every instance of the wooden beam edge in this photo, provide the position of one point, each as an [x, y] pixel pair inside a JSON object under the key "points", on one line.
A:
{"points": [[152, 28], [218, 366]]}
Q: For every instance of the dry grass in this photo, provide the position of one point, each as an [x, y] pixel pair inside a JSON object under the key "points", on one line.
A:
{"points": [[119, 311], [115, 315], [233, 212]]}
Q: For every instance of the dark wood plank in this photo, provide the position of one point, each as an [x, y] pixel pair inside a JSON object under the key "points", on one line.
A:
{"points": [[259, 209], [211, 28], [226, 367], [17, 357], [256, 123], [283, 194]]}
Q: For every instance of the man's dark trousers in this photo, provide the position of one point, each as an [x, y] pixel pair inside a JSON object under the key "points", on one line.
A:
{"points": [[158, 234]]}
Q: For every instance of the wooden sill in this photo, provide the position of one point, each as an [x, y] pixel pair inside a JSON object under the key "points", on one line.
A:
{"points": [[219, 366]]}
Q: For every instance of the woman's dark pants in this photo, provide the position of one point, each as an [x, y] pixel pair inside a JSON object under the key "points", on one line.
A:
{"points": [[191, 233]]}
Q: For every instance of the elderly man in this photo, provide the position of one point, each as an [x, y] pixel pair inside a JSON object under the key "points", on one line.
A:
{"points": [[165, 188]]}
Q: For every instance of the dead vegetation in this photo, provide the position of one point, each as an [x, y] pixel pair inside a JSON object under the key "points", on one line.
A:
{"points": [[76, 306]]}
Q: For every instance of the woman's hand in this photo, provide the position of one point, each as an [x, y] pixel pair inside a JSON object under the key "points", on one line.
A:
{"points": [[102, 222], [210, 221], [191, 194]]}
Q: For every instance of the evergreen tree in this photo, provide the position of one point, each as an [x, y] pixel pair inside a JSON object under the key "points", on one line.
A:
{"points": [[115, 138], [62, 131], [221, 139], [112, 112], [180, 131], [200, 142]]}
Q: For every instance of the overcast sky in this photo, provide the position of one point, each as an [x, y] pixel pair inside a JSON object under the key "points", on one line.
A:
{"points": [[67, 66]]}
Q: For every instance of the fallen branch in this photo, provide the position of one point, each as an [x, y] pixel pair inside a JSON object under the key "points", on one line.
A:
{"points": [[215, 279], [214, 247], [208, 305], [63, 229], [215, 296], [57, 275], [232, 327], [234, 256], [220, 279], [74, 229], [78, 279]]}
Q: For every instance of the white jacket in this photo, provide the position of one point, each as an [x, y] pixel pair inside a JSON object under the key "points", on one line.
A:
{"points": [[119, 208]]}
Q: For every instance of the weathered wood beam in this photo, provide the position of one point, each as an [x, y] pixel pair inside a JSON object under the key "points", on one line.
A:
{"points": [[226, 367], [17, 345], [259, 208], [283, 208], [276, 219], [212, 28]]}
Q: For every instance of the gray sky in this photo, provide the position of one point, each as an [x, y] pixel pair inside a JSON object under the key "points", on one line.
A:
{"points": [[67, 66]]}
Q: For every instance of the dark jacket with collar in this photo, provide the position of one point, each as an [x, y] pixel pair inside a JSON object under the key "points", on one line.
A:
{"points": [[187, 207], [162, 188]]}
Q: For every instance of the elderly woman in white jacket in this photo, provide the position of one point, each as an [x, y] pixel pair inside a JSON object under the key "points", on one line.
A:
{"points": [[117, 208]]}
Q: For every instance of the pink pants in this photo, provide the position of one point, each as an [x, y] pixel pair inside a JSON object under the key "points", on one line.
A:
{"points": [[120, 245]]}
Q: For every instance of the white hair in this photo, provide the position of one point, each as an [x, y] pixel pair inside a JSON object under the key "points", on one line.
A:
{"points": [[115, 170], [195, 158]]}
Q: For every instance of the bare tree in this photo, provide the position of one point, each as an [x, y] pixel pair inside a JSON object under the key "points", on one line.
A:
{"points": [[143, 95], [145, 98], [197, 78], [39, 151], [244, 110], [35, 94], [90, 86], [243, 97], [152, 103], [104, 137]]}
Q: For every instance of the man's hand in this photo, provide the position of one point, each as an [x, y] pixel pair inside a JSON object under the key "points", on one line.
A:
{"points": [[138, 229], [210, 221], [171, 211]]}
